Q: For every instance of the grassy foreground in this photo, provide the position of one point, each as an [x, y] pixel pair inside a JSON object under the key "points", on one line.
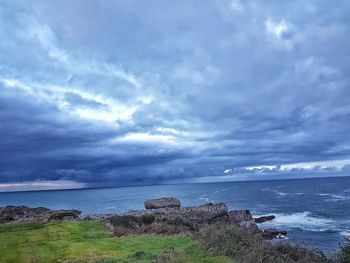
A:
{"points": [[88, 241]]}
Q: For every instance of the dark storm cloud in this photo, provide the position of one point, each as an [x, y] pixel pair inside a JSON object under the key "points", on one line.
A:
{"points": [[120, 92]]}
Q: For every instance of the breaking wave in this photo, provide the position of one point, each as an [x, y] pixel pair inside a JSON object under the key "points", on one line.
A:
{"points": [[303, 220]]}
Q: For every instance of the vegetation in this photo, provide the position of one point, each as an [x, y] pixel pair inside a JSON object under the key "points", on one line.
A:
{"points": [[343, 256], [243, 247], [88, 241]]}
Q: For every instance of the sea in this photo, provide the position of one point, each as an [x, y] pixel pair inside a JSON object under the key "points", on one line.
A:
{"points": [[315, 212]]}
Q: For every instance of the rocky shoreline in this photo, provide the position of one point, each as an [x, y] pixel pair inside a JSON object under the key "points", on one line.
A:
{"points": [[166, 210]]}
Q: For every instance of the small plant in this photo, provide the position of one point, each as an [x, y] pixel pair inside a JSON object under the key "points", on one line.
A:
{"points": [[343, 256], [126, 221], [141, 256], [147, 219], [178, 221]]}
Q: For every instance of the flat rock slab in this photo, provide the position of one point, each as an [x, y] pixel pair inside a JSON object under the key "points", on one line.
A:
{"points": [[162, 203], [263, 219], [203, 213]]}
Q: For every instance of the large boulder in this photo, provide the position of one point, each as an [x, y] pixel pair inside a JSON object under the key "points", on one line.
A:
{"points": [[250, 226], [263, 219], [162, 203], [205, 213], [237, 216]]}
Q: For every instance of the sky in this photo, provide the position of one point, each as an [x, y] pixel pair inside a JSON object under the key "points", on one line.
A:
{"points": [[101, 93]]}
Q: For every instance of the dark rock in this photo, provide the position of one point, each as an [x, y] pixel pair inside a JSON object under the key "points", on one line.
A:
{"points": [[271, 233], [65, 215], [162, 202], [204, 213], [96, 216], [250, 226], [238, 216], [24, 214], [263, 219]]}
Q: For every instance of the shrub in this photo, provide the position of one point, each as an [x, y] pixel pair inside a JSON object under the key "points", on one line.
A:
{"points": [[343, 256], [244, 247], [147, 219], [177, 221], [126, 221], [141, 256], [121, 231]]}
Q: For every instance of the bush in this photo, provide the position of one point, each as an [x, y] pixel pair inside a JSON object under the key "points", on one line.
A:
{"points": [[177, 221], [147, 219], [343, 256], [244, 247], [141, 256], [126, 221]]}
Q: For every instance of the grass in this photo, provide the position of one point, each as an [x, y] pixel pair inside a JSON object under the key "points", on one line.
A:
{"points": [[88, 241]]}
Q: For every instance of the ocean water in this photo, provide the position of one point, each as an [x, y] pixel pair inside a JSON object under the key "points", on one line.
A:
{"points": [[315, 212]]}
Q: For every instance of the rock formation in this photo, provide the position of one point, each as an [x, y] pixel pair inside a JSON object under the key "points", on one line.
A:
{"points": [[271, 233], [238, 216], [205, 213], [263, 219], [162, 203], [165, 210], [26, 214], [250, 226]]}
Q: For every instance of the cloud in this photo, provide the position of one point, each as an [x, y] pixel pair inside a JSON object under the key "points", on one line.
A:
{"points": [[129, 92], [276, 29], [237, 5]]}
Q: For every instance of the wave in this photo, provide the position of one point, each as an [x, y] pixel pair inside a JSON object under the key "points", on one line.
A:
{"points": [[204, 198], [280, 193], [303, 220], [222, 190], [345, 233], [335, 198]]}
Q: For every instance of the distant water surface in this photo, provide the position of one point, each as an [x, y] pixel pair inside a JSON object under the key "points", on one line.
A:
{"points": [[315, 212]]}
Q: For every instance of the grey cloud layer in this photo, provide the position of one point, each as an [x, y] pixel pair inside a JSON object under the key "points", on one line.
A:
{"points": [[123, 92]]}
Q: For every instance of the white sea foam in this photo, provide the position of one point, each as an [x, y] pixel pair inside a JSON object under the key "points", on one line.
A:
{"points": [[335, 198], [280, 193], [204, 198], [303, 220], [345, 233], [222, 190]]}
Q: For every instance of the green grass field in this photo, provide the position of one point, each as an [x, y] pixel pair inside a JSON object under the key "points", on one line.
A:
{"points": [[88, 241]]}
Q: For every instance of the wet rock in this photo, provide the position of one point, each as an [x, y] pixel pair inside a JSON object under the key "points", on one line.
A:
{"points": [[271, 233], [237, 216], [162, 203], [250, 226], [263, 219]]}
